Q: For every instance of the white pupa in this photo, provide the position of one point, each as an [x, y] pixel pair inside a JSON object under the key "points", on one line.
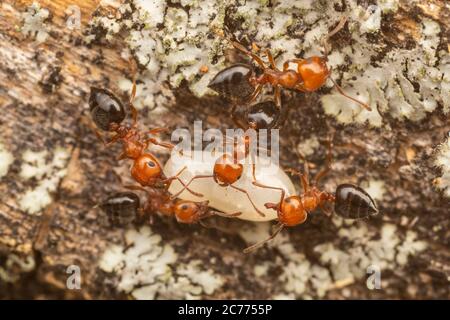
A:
{"points": [[227, 199]]}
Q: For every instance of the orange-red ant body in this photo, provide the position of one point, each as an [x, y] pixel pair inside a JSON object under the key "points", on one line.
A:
{"points": [[108, 113], [159, 200], [311, 74], [351, 201]]}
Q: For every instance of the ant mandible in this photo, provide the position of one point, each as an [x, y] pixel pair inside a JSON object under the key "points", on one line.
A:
{"points": [[108, 114], [311, 74], [351, 201]]}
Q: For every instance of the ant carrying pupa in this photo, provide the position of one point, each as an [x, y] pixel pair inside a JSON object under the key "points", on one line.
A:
{"points": [[350, 201], [240, 83], [108, 113], [236, 169], [123, 208]]}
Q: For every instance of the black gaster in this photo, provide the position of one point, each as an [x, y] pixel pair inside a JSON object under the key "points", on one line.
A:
{"points": [[121, 208], [352, 202], [105, 108], [233, 82], [265, 115]]}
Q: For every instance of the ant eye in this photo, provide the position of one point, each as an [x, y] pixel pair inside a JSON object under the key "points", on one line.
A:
{"points": [[151, 164], [184, 207]]}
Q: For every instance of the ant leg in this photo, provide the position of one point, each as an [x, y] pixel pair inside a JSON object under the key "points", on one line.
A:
{"points": [[256, 183], [157, 130], [303, 178], [255, 93], [159, 143], [325, 210], [271, 59], [169, 180], [225, 215], [186, 185], [136, 188], [133, 93], [341, 91], [249, 199], [248, 53], [339, 26], [259, 244], [327, 168], [277, 94]]}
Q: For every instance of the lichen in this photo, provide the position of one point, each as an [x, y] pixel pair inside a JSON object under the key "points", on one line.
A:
{"points": [[34, 22], [6, 159], [48, 176], [175, 43], [442, 161], [146, 269], [15, 265], [336, 268]]}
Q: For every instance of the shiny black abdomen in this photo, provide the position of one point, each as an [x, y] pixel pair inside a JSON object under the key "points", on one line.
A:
{"points": [[353, 202], [233, 82], [105, 108], [121, 208]]}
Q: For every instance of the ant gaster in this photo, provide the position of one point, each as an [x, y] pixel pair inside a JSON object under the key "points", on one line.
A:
{"points": [[187, 212], [311, 74], [108, 114]]}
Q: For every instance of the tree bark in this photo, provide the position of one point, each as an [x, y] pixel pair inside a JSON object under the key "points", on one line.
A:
{"points": [[44, 124]]}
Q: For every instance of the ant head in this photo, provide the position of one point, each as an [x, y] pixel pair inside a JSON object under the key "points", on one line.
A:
{"points": [[227, 170], [105, 108], [186, 211], [234, 82], [292, 212], [353, 202], [146, 169]]}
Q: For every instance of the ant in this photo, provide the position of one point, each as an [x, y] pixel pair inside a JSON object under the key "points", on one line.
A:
{"points": [[240, 81], [123, 207], [108, 113], [351, 201], [227, 168]]}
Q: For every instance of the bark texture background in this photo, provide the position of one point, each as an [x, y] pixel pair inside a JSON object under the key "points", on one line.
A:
{"points": [[54, 171]]}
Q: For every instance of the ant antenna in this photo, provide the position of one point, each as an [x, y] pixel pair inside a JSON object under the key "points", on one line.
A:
{"points": [[325, 45]]}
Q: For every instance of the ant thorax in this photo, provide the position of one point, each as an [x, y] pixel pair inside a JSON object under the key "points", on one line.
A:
{"points": [[225, 198]]}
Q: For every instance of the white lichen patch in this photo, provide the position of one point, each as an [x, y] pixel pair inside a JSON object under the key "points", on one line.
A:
{"points": [[6, 159], [148, 269], [48, 175], [390, 251], [442, 161], [390, 85], [34, 25], [177, 42], [14, 266], [337, 268], [375, 188]]}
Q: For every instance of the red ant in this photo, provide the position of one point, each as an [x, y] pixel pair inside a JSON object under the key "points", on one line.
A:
{"points": [[312, 73], [350, 201], [125, 206], [227, 169], [108, 113]]}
